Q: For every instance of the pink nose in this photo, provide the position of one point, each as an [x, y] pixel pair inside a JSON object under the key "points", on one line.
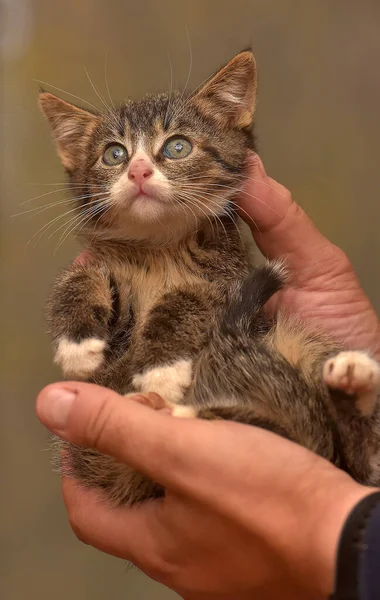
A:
{"points": [[139, 171]]}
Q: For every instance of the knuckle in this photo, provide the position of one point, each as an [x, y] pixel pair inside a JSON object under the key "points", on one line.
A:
{"points": [[163, 570], [98, 426], [340, 259]]}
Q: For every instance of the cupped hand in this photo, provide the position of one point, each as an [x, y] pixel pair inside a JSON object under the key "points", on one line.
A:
{"points": [[247, 514], [323, 288]]}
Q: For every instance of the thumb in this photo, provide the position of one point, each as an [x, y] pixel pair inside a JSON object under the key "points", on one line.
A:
{"points": [[99, 418], [279, 226]]}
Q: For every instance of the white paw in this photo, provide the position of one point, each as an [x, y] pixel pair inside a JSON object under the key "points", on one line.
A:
{"points": [[79, 360], [170, 381], [352, 372], [184, 412]]}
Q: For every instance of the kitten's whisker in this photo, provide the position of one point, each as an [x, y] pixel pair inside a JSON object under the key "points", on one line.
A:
{"points": [[236, 190], [193, 213], [84, 211], [73, 222], [183, 99], [38, 209], [242, 191], [193, 93], [225, 214], [68, 184], [106, 82], [170, 91], [109, 115], [47, 226], [283, 194], [66, 189], [214, 214], [98, 219], [165, 225], [107, 107], [86, 217], [191, 200], [68, 93], [210, 196], [43, 195], [190, 63], [200, 177]]}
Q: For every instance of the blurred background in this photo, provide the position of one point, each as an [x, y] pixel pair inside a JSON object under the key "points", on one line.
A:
{"points": [[318, 127]]}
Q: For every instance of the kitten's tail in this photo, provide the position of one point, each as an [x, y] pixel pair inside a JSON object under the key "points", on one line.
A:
{"points": [[249, 297]]}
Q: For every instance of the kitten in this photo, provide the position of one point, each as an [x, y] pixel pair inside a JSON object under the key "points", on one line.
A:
{"points": [[167, 301]]}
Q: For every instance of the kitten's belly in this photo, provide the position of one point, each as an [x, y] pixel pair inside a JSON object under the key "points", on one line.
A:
{"points": [[145, 287]]}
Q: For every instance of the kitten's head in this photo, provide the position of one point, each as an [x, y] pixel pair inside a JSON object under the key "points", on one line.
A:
{"points": [[154, 170]]}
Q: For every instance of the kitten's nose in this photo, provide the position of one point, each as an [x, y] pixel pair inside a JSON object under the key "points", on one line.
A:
{"points": [[139, 171]]}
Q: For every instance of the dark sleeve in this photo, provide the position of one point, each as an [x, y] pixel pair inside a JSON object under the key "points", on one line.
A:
{"points": [[369, 562], [358, 558]]}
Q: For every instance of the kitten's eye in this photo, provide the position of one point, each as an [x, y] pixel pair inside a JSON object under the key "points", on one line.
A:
{"points": [[177, 148], [115, 155]]}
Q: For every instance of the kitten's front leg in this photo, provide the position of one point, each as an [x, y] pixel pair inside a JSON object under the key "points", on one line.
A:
{"points": [[79, 311], [173, 335], [171, 381]]}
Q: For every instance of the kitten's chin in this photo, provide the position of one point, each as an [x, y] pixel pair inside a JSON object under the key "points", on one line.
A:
{"points": [[146, 208], [148, 222]]}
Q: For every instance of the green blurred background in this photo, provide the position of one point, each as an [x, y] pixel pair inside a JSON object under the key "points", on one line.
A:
{"points": [[318, 127]]}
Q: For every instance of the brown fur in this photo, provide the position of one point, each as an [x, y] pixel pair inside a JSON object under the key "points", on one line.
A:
{"points": [[168, 298]]}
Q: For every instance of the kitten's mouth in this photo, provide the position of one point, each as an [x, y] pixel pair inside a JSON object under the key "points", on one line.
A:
{"points": [[146, 206], [146, 196]]}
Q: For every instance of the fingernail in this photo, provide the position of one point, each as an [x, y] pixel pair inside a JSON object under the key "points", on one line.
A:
{"points": [[56, 407]]}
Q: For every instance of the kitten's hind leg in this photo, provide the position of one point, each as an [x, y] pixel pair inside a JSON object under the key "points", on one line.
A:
{"points": [[354, 373], [354, 382], [246, 415]]}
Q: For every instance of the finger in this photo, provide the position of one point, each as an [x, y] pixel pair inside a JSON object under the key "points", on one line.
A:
{"points": [[149, 441], [127, 533], [177, 453], [279, 226], [83, 258]]}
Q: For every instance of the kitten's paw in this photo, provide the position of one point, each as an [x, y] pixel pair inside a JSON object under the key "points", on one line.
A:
{"points": [[79, 360], [182, 411], [354, 373], [169, 382]]}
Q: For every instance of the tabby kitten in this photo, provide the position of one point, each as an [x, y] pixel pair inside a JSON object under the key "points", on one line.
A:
{"points": [[167, 301]]}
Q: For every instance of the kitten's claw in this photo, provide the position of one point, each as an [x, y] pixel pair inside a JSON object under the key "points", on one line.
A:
{"points": [[151, 399], [79, 360], [354, 373], [156, 402]]}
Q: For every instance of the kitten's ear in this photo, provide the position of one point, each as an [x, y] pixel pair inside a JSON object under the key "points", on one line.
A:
{"points": [[71, 126], [230, 95]]}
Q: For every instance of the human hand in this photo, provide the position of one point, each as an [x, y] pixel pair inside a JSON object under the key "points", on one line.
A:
{"points": [[247, 514], [323, 288]]}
